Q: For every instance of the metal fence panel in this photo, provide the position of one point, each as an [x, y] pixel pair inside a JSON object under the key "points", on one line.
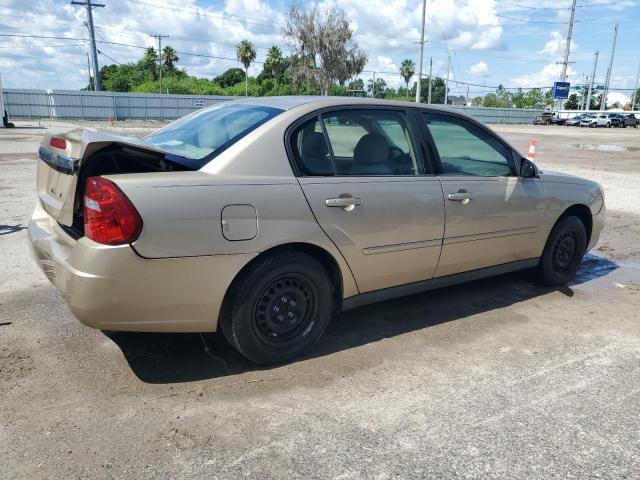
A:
{"points": [[84, 105], [25, 103]]}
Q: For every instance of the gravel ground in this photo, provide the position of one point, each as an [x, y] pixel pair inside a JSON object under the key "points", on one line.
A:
{"points": [[493, 379]]}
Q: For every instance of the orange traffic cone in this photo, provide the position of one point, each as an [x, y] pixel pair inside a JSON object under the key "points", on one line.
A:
{"points": [[532, 150]]}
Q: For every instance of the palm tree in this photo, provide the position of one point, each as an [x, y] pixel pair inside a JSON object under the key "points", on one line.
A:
{"points": [[246, 53], [169, 57], [150, 60], [274, 60], [407, 69]]}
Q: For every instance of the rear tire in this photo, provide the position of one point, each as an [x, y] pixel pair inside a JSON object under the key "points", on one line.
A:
{"points": [[278, 309], [563, 252]]}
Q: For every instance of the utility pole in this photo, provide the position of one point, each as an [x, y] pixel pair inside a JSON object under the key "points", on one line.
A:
{"points": [[567, 49], [446, 84], [635, 91], [159, 38], [593, 78], [430, 70], [467, 102], [92, 39], [424, 13], [605, 94], [583, 101], [89, 70]]}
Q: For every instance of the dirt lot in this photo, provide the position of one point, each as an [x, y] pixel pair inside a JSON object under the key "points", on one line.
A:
{"points": [[493, 379]]}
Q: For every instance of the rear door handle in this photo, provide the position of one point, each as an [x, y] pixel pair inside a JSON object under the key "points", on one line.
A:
{"points": [[345, 203], [462, 197]]}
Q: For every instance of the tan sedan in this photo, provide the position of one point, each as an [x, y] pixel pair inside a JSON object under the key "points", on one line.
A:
{"points": [[264, 218]]}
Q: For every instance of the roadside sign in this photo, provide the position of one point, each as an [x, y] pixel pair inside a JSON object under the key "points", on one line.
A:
{"points": [[561, 90], [198, 103]]}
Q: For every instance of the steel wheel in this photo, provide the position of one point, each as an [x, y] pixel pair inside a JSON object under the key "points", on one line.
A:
{"points": [[279, 307], [285, 309], [564, 251]]}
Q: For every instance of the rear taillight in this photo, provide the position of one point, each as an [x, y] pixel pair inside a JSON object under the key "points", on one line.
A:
{"points": [[109, 216], [58, 142]]}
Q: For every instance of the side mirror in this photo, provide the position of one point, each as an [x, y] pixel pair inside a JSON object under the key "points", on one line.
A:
{"points": [[528, 169]]}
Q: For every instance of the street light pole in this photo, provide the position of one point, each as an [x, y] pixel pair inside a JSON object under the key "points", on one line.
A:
{"points": [[92, 40]]}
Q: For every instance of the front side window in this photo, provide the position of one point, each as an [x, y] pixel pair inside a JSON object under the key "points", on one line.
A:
{"points": [[202, 135], [466, 149]]}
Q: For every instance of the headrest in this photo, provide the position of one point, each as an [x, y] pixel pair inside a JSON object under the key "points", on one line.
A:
{"points": [[371, 149], [313, 145]]}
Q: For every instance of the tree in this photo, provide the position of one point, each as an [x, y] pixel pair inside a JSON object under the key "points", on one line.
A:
{"points": [[534, 98], [274, 60], [437, 90], [324, 48], [169, 58], [635, 97], [230, 77], [376, 89], [150, 60], [407, 70], [246, 53], [572, 102]]}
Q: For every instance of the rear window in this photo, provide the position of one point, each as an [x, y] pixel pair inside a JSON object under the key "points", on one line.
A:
{"points": [[202, 135]]}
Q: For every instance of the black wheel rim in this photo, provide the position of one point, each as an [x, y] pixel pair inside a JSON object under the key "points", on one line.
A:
{"points": [[285, 309], [564, 251]]}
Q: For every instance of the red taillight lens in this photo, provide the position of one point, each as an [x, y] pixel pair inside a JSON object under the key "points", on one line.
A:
{"points": [[109, 216], [58, 142]]}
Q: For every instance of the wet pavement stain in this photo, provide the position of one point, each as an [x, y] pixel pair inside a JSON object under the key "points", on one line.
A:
{"points": [[605, 147]]}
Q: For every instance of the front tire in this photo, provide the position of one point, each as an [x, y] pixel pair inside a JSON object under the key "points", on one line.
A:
{"points": [[563, 252], [278, 309]]}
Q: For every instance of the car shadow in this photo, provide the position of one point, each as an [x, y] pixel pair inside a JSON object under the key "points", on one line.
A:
{"points": [[185, 357]]}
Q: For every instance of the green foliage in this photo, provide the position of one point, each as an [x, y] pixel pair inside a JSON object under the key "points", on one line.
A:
{"points": [[572, 102], [230, 77], [377, 89], [437, 90]]}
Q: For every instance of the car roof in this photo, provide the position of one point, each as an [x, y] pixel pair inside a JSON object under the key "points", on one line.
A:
{"points": [[290, 102]]}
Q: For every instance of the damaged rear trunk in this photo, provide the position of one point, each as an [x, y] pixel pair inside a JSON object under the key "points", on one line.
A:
{"points": [[67, 161]]}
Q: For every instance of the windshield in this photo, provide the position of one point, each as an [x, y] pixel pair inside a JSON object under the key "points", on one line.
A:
{"points": [[202, 135]]}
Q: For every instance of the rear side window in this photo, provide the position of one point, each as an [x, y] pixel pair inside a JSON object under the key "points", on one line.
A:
{"points": [[356, 143], [202, 135], [310, 149]]}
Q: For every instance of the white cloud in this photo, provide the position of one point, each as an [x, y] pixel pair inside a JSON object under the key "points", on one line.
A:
{"points": [[480, 69], [545, 77], [554, 46], [386, 29], [614, 97]]}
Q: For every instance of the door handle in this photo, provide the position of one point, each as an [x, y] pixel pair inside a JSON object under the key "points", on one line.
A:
{"points": [[345, 203], [462, 197]]}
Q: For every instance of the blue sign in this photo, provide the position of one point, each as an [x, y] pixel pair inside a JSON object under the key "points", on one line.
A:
{"points": [[561, 90]]}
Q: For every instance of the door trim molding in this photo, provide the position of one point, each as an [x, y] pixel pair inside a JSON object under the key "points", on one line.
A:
{"points": [[489, 235], [396, 247], [434, 283]]}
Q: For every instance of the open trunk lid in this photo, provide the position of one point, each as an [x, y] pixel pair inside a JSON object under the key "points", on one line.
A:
{"points": [[63, 157]]}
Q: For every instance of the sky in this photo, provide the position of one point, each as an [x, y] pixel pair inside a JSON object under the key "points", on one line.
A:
{"points": [[516, 43]]}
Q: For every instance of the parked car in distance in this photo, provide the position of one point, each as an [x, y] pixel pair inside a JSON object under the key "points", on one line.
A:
{"points": [[545, 118], [629, 120], [596, 120], [263, 218], [617, 120], [575, 121]]}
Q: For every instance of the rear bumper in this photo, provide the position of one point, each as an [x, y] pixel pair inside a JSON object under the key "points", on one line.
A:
{"points": [[112, 288]]}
